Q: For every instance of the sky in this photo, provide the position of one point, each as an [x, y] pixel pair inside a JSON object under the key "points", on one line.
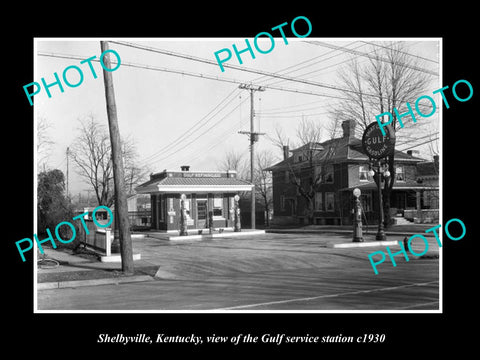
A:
{"points": [[176, 119]]}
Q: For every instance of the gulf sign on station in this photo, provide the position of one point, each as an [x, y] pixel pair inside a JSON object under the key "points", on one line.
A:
{"points": [[375, 144]]}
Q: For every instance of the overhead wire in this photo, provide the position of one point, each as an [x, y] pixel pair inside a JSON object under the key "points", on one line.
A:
{"points": [[188, 132], [360, 53], [242, 68], [203, 133], [403, 52]]}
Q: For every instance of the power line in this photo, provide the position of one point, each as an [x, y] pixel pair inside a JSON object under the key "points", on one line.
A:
{"points": [[417, 145], [288, 111], [224, 79], [203, 133], [292, 116], [360, 53], [223, 136], [317, 70], [186, 134], [241, 68], [403, 52], [198, 75]]}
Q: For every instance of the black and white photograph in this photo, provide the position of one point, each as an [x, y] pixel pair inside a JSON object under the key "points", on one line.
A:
{"points": [[264, 182], [245, 189]]}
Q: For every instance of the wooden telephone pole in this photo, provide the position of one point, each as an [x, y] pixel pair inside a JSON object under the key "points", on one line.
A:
{"points": [[253, 139], [121, 210]]}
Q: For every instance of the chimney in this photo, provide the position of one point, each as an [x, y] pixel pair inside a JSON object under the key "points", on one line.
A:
{"points": [[185, 167], [286, 152], [348, 127]]}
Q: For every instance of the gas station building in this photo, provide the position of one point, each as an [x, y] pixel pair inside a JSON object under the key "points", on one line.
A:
{"points": [[208, 195]]}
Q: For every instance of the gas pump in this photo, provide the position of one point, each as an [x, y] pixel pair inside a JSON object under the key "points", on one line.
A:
{"points": [[357, 217]]}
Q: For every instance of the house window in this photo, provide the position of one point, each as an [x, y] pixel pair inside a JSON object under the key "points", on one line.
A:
{"points": [[282, 202], [399, 173], [319, 201], [328, 177], [218, 205], [363, 173], [287, 176], [329, 201]]}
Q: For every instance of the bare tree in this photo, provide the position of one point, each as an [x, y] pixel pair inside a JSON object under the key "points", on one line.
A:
{"points": [[387, 81], [280, 139], [263, 181], [44, 142], [235, 161], [91, 153], [312, 166]]}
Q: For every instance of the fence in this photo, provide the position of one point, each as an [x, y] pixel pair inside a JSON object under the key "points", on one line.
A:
{"points": [[97, 238]]}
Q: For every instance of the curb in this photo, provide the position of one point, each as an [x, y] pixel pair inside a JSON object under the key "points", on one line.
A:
{"points": [[340, 231], [362, 244], [208, 236], [92, 282]]}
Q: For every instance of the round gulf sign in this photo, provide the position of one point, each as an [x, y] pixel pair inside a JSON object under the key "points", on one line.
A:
{"points": [[377, 145], [356, 192]]}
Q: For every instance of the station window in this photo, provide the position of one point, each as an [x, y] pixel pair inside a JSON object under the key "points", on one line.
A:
{"points": [[218, 206]]}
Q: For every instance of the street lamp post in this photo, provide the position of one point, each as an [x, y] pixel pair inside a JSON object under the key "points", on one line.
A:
{"points": [[381, 171]]}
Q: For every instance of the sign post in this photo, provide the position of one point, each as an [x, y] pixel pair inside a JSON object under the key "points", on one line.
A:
{"points": [[378, 146]]}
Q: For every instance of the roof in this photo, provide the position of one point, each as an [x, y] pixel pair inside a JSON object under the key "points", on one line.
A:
{"points": [[341, 150], [176, 183]]}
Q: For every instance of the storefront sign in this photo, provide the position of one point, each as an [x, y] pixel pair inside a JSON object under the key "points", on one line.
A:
{"points": [[377, 145], [201, 175]]}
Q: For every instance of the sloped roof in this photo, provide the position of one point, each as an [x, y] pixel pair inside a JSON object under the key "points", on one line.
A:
{"points": [[340, 150], [200, 184]]}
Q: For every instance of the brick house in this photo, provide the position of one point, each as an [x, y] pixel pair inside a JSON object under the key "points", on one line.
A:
{"points": [[340, 165]]}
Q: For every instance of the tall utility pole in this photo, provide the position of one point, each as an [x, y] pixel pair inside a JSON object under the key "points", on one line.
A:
{"points": [[121, 211], [253, 138]]}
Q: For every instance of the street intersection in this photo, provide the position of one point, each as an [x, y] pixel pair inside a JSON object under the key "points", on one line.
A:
{"points": [[270, 272]]}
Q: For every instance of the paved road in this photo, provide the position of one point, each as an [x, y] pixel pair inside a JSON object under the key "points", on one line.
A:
{"points": [[269, 272]]}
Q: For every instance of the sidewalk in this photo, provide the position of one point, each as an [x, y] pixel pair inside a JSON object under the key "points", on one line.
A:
{"points": [[73, 270], [398, 230]]}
